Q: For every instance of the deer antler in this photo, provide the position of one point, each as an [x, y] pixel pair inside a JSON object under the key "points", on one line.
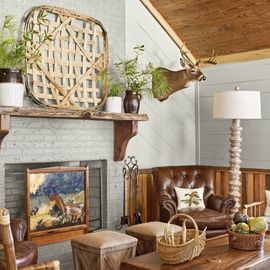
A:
{"points": [[212, 59], [185, 57]]}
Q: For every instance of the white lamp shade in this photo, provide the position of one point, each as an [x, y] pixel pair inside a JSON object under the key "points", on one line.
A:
{"points": [[237, 105]]}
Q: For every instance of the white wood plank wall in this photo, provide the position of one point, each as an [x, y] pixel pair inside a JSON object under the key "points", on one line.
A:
{"points": [[215, 133], [168, 138]]}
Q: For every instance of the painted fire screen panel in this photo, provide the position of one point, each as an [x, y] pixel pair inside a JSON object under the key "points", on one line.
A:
{"points": [[66, 53], [56, 198]]}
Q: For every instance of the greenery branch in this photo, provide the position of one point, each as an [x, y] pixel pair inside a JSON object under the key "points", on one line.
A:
{"points": [[115, 89], [15, 52], [130, 75]]}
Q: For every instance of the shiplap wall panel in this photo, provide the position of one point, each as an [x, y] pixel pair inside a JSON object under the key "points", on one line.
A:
{"points": [[168, 137], [237, 72], [249, 84], [215, 133]]}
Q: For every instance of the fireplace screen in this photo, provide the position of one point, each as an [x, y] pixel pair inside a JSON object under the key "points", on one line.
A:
{"points": [[57, 199]]}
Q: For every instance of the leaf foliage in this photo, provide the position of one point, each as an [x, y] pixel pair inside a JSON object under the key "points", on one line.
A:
{"points": [[129, 74], [14, 49]]}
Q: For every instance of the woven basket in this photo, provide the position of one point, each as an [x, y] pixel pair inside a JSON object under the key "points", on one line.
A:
{"points": [[67, 74], [246, 241], [179, 253]]}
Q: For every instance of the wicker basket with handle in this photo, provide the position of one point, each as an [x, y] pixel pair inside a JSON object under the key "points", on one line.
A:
{"points": [[174, 250]]}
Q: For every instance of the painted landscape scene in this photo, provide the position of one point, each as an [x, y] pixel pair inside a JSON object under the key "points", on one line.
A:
{"points": [[56, 200]]}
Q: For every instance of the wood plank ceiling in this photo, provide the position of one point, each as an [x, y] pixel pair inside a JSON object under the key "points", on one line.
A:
{"points": [[230, 27]]}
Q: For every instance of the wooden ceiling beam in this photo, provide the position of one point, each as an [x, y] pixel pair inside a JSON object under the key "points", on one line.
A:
{"points": [[168, 29], [235, 30], [239, 57]]}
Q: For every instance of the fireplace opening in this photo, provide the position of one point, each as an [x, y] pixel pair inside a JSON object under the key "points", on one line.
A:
{"points": [[15, 195]]}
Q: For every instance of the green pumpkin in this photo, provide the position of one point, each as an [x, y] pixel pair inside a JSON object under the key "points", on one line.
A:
{"points": [[240, 217], [242, 228], [258, 225]]}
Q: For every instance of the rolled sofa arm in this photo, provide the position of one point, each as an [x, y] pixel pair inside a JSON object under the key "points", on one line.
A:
{"points": [[221, 203], [18, 228], [167, 207]]}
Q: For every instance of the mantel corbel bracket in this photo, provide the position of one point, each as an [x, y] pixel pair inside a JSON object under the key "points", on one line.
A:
{"points": [[123, 132], [4, 126]]}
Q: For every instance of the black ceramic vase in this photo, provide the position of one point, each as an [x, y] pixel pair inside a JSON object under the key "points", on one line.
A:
{"points": [[132, 102]]}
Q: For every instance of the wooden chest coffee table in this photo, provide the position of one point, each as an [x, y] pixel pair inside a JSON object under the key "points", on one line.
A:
{"points": [[216, 255]]}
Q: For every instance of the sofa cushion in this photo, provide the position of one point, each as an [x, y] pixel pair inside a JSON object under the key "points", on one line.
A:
{"points": [[104, 241], [150, 229], [209, 218], [26, 253], [189, 198], [168, 177]]}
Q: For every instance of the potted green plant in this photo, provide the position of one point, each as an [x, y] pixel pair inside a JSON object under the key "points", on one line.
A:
{"points": [[114, 96], [13, 55], [114, 99], [136, 80]]}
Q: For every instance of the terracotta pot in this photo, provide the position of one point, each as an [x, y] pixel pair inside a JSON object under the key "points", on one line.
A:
{"points": [[11, 87], [132, 101]]}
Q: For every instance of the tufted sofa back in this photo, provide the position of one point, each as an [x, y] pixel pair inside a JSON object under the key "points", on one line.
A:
{"points": [[166, 178]]}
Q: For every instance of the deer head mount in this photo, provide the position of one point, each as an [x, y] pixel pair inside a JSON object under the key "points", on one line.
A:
{"points": [[181, 79]]}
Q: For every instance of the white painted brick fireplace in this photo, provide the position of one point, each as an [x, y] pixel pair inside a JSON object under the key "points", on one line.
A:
{"points": [[62, 141], [40, 140]]}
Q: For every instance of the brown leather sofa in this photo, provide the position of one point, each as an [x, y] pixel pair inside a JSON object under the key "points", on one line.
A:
{"points": [[215, 216], [26, 251]]}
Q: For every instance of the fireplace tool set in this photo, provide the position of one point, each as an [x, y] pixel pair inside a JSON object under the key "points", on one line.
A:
{"points": [[131, 214]]}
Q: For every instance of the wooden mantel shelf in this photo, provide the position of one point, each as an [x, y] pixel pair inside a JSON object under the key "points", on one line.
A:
{"points": [[125, 124], [71, 114]]}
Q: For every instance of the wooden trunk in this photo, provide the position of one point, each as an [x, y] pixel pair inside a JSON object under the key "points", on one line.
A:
{"points": [[103, 250]]}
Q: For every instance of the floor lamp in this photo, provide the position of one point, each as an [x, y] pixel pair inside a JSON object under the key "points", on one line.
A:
{"points": [[236, 105]]}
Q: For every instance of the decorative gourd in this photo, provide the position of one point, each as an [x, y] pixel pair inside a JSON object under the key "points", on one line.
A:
{"points": [[240, 217], [242, 228], [258, 225], [184, 232]]}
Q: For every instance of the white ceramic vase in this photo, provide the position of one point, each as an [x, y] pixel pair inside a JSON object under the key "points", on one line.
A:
{"points": [[11, 88], [113, 104]]}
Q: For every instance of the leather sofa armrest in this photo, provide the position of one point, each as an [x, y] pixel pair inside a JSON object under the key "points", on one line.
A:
{"points": [[220, 203], [18, 228], [168, 207]]}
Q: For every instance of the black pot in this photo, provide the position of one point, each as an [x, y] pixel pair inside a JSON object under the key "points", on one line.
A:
{"points": [[132, 101]]}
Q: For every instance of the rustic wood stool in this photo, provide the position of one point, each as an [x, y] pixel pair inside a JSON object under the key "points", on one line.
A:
{"points": [[102, 250], [148, 234]]}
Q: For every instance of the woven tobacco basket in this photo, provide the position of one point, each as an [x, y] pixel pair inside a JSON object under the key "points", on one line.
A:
{"points": [[67, 71], [171, 251]]}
